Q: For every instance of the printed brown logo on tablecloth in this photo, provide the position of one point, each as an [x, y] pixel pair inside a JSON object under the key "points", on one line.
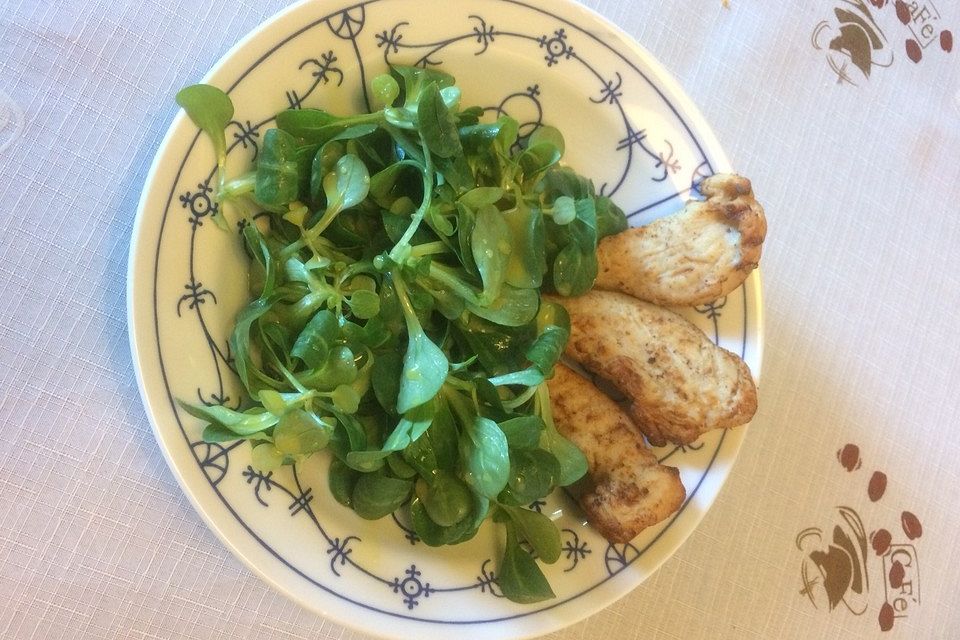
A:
{"points": [[854, 43], [838, 559]]}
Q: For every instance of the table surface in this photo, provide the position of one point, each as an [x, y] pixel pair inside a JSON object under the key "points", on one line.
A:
{"points": [[860, 175]]}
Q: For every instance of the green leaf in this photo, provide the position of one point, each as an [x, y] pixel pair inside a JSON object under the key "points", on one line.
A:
{"points": [[574, 272], [491, 404], [317, 338], [478, 139], [409, 429], [242, 424], [539, 531], [384, 90], [304, 156], [348, 435], [527, 262], [305, 123], [563, 181], [469, 116], [439, 222], [571, 248], [376, 495], [490, 246], [396, 181], [538, 157], [547, 135], [278, 177], [376, 333], [214, 432], [552, 314], [399, 467], [412, 425], [545, 352], [345, 398], [479, 196], [466, 219], [522, 432], [529, 377], [467, 528], [514, 308], [364, 304], [301, 432], [437, 449], [573, 464], [315, 126], [431, 533], [610, 218], [347, 185], [340, 368], [211, 110], [323, 163], [414, 79], [387, 371], [445, 497], [342, 480], [533, 476], [437, 123], [519, 577], [564, 210], [499, 348], [485, 457], [366, 461], [508, 134], [275, 402], [425, 368], [253, 378], [451, 98], [267, 457]]}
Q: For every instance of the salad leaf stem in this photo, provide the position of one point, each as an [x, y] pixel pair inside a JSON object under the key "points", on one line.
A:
{"points": [[403, 245]]}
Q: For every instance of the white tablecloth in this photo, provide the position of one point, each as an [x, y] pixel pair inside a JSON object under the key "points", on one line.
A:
{"points": [[861, 181]]}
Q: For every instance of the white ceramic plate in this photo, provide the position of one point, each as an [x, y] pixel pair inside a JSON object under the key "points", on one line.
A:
{"points": [[627, 125]]}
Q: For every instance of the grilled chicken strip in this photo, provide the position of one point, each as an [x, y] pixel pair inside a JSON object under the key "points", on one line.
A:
{"points": [[678, 383], [692, 257], [627, 489]]}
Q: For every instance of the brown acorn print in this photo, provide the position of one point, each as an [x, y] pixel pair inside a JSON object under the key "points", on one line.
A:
{"points": [[878, 484], [849, 457], [903, 11], [879, 4], [886, 617], [897, 572], [911, 525], [880, 540], [946, 41], [913, 50]]}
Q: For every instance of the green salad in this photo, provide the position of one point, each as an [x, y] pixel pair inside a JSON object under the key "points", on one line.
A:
{"points": [[396, 264]]}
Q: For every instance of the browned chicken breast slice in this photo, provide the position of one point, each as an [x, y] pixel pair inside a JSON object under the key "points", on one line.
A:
{"points": [[627, 489], [692, 257], [678, 383]]}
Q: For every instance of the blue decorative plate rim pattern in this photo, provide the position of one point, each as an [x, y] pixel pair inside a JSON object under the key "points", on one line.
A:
{"points": [[555, 48]]}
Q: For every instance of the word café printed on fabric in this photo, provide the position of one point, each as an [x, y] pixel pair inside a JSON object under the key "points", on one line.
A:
{"points": [[859, 38], [847, 565]]}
